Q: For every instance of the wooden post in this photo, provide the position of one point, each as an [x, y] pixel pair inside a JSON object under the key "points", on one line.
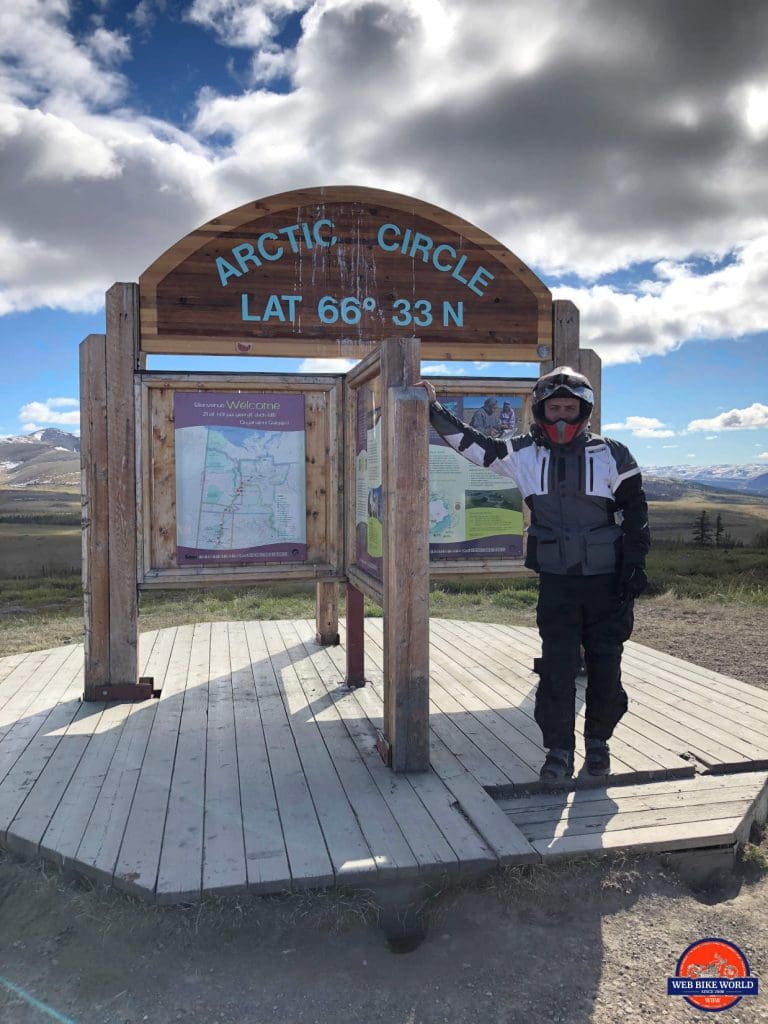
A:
{"points": [[121, 363], [355, 637], [565, 333], [95, 511], [590, 365], [327, 613], [406, 557]]}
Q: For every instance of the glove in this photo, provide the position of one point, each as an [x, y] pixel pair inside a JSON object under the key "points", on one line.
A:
{"points": [[632, 582]]}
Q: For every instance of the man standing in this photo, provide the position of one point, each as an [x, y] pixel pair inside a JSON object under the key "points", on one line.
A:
{"points": [[588, 539]]}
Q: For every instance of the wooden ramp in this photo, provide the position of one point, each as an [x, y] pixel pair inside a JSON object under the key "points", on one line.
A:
{"points": [[257, 769]]}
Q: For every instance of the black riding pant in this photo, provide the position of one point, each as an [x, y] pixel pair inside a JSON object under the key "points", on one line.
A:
{"points": [[576, 611]]}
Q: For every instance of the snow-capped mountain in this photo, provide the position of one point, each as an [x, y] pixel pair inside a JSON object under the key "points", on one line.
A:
{"points": [[751, 478], [45, 458]]}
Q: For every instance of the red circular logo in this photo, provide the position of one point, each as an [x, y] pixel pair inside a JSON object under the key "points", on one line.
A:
{"points": [[715, 959]]}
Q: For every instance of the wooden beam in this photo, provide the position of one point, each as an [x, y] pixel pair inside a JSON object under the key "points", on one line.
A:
{"points": [[95, 511], [406, 557], [122, 348]]}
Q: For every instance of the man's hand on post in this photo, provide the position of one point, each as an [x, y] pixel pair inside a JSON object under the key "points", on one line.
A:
{"points": [[429, 388]]}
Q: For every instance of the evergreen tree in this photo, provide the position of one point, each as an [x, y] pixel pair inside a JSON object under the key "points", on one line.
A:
{"points": [[719, 531], [702, 530]]}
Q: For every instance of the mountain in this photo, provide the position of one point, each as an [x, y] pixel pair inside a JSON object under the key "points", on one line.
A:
{"points": [[57, 438], [748, 479], [46, 458]]}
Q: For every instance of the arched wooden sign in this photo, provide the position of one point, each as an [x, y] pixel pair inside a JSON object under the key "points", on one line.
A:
{"points": [[334, 271]]}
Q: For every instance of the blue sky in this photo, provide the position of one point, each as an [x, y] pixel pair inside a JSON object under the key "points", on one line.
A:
{"points": [[617, 148]]}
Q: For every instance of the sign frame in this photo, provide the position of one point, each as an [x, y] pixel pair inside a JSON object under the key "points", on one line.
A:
{"points": [[467, 565], [156, 478]]}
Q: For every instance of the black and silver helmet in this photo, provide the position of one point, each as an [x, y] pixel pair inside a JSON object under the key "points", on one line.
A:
{"points": [[563, 382]]}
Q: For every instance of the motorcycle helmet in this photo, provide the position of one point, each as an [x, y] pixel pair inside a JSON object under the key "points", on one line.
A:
{"points": [[563, 382]]}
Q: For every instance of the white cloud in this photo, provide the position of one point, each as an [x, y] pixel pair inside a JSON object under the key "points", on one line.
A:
{"points": [[641, 426], [753, 417], [763, 456], [670, 446], [51, 412], [443, 369], [316, 365], [657, 156], [682, 304]]}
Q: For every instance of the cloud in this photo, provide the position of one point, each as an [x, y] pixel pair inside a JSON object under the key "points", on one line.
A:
{"points": [[753, 417], [51, 412], [679, 304], [586, 137], [316, 365], [443, 369], [763, 456], [641, 426]]}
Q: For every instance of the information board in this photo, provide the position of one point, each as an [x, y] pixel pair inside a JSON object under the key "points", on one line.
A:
{"points": [[369, 498], [240, 478], [474, 512]]}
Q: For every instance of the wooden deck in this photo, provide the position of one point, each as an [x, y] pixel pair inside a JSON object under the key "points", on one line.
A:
{"points": [[257, 769]]}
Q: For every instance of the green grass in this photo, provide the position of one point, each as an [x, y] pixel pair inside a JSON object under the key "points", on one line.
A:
{"points": [[47, 611], [712, 574]]}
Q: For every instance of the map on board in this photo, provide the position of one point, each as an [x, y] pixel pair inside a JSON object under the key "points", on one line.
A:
{"points": [[240, 478]]}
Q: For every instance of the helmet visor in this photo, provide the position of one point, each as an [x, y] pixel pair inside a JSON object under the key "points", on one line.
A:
{"points": [[553, 389]]}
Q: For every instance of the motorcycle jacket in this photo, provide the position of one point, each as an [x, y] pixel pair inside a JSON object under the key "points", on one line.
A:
{"points": [[588, 511]]}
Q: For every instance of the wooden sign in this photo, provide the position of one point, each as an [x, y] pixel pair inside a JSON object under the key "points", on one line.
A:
{"points": [[333, 272]]}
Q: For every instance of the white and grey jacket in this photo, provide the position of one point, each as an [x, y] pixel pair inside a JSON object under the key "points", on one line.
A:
{"points": [[589, 515]]}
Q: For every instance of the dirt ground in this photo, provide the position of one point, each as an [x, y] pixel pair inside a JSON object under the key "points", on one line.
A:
{"points": [[581, 941], [588, 941]]}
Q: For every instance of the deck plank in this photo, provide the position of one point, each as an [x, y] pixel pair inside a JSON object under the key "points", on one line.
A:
{"points": [[658, 838], [180, 872], [308, 858], [98, 849], [70, 819], [138, 860], [388, 846], [27, 747], [30, 681], [26, 831], [479, 834], [350, 854], [690, 674], [266, 858], [363, 715], [224, 867]]}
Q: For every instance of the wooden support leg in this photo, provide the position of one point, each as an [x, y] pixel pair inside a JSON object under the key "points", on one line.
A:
{"points": [[355, 638], [327, 614]]}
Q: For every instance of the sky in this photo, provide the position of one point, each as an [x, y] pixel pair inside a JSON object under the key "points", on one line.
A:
{"points": [[619, 148]]}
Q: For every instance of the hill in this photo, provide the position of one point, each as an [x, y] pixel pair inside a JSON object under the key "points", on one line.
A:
{"points": [[750, 479], [47, 458]]}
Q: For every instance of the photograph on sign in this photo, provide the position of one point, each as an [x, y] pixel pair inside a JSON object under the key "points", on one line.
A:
{"points": [[474, 512], [240, 478], [369, 510]]}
